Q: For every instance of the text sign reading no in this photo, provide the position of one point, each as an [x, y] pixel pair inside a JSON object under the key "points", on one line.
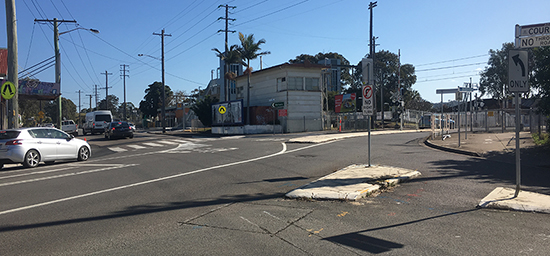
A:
{"points": [[368, 101]]}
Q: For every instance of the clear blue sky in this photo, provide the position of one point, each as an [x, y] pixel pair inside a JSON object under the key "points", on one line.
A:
{"points": [[447, 41]]}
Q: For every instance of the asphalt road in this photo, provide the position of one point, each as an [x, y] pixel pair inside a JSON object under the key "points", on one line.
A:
{"points": [[166, 195]]}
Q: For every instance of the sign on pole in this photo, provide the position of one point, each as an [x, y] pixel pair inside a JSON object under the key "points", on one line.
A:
{"points": [[518, 71], [368, 102], [8, 90]]}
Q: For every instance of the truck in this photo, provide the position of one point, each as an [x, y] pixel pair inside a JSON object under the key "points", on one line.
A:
{"points": [[96, 121], [69, 126]]}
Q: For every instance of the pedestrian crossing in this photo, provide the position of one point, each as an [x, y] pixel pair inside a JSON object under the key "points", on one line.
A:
{"points": [[172, 145]]}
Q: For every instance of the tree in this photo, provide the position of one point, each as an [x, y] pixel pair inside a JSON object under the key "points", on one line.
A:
{"points": [[540, 79], [345, 76], [51, 109], [152, 101], [28, 109], [494, 78], [203, 110], [249, 50], [386, 70], [110, 103]]}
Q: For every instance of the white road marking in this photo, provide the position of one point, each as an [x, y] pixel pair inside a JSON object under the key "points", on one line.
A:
{"points": [[136, 146], [283, 151], [113, 166], [117, 149], [151, 144], [167, 142]]}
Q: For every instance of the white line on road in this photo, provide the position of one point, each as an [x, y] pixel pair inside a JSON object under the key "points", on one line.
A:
{"points": [[283, 151], [117, 149], [116, 166], [167, 142], [136, 146], [151, 144]]}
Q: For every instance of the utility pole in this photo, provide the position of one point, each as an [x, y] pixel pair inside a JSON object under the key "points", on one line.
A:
{"points": [[90, 95], [56, 23], [79, 109], [226, 30], [163, 109], [106, 88], [11, 24], [124, 75], [95, 96], [371, 45]]}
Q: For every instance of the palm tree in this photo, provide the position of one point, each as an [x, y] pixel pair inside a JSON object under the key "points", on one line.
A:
{"points": [[249, 50], [231, 55]]}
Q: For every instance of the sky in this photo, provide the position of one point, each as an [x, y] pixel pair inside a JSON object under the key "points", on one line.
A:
{"points": [[447, 41]]}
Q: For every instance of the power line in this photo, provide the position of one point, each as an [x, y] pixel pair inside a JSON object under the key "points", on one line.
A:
{"points": [[271, 13], [445, 61], [456, 66]]}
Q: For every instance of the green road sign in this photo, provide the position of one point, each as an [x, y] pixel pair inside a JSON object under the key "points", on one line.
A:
{"points": [[278, 104]]}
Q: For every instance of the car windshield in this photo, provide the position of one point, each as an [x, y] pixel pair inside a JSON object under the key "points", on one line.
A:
{"points": [[5, 135], [119, 124], [106, 118]]}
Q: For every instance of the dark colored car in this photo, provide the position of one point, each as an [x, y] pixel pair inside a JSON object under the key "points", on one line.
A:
{"points": [[119, 130]]}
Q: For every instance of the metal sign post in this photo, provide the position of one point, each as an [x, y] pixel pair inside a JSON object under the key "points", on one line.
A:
{"points": [[367, 93]]}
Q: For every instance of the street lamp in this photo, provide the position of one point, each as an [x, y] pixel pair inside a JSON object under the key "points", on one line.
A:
{"points": [[58, 56]]}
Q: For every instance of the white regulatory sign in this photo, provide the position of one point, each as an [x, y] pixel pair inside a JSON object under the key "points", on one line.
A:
{"points": [[534, 41], [368, 100], [518, 71], [535, 29]]}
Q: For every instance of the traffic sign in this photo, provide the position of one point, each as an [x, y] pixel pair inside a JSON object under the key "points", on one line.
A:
{"points": [[8, 90], [278, 104], [517, 71], [41, 114], [283, 112], [368, 101], [535, 29], [222, 110], [534, 41]]}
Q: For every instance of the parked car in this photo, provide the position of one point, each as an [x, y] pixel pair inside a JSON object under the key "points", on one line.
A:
{"points": [[30, 146], [48, 125], [119, 130], [69, 127]]}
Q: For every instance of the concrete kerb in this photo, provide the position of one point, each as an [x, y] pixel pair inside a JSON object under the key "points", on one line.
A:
{"points": [[428, 143], [353, 183]]}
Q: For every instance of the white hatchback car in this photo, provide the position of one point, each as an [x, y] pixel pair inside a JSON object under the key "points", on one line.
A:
{"points": [[30, 146]]}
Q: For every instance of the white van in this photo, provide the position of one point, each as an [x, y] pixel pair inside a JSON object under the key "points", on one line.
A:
{"points": [[97, 121]]}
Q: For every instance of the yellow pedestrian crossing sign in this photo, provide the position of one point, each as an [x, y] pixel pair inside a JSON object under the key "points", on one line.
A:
{"points": [[8, 90], [222, 110]]}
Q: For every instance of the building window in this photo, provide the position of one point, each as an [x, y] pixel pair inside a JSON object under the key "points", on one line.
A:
{"points": [[296, 83], [281, 84], [312, 84]]}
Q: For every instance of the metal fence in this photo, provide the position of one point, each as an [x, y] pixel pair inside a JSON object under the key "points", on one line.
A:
{"points": [[486, 120]]}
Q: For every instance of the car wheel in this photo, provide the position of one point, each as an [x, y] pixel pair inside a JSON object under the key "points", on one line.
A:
{"points": [[83, 153], [32, 158], [105, 136], [131, 136], [84, 132]]}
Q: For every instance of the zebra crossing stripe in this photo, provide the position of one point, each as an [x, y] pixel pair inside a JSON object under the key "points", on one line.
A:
{"points": [[117, 149], [151, 144], [167, 142], [136, 146]]}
